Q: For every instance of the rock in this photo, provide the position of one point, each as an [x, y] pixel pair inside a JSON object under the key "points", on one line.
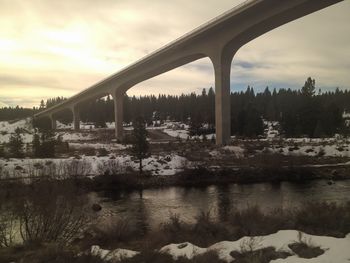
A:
{"points": [[96, 207], [330, 182], [18, 168], [183, 245]]}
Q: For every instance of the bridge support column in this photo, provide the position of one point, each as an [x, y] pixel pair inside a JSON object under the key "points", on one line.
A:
{"points": [[53, 122], [118, 115], [76, 118], [222, 69]]}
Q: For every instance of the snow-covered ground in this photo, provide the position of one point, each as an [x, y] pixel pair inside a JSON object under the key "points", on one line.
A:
{"points": [[112, 255], [336, 250], [177, 130], [162, 164], [7, 128], [272, 129], [342, 150], [88, 166]]}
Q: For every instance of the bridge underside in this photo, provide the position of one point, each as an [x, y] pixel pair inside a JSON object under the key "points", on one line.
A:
{"points": [[219, 40]]}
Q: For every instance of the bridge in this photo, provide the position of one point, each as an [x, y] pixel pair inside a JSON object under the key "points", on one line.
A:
{"points": [[219, 40]]}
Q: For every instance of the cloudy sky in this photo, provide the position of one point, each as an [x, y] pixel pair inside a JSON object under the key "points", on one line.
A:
{"points": [[58, 48]]}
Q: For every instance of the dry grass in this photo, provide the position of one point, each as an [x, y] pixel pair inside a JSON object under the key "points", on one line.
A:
{"points": [[264, 255]]}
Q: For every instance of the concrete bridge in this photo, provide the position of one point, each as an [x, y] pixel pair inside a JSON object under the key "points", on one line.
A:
{"points": [[219, 40]]}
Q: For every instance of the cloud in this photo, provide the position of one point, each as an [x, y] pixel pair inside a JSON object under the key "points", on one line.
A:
{"points": [[58, 48]]}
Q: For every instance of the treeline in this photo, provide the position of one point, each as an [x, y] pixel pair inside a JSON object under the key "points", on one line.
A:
{"points": [[14, 113], [300, 112]]}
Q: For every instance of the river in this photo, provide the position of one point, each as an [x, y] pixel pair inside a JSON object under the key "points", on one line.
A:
{"points": [[153, 206]]}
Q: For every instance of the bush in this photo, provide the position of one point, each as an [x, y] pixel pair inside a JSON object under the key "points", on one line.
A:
{"points": [[16, 144], [44, 145], [264, 255], [51, 213], [324, 219], [49, 253], [253, 222], [102, 152], [8, 230], [116, 231]]}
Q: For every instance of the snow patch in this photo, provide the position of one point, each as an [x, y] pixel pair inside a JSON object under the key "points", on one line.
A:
{"points": [[186, 250], [237, 150], [88, 166], [336, 249], [112, 255]]}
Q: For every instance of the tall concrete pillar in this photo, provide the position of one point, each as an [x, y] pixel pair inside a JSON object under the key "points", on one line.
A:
{"points": [[53, 122], [76, 118], [118, 115], [222, 69]]}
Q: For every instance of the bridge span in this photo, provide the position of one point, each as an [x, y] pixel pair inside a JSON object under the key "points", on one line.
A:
{"points": [[219, 40]]}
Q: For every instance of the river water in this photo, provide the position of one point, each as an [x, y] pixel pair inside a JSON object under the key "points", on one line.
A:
{"points": [[153, 206]]}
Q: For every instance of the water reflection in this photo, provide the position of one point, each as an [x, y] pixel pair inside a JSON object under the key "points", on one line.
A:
{"points": [[155, 205]]}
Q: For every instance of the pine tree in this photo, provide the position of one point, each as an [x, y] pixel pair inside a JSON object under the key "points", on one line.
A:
{"points": [[140, 144], [309, 87], [16, 144], [36, 145], [48, 143], [42, 105]]}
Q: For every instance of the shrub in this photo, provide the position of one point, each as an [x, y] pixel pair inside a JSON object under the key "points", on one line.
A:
{"points": [[16, 144], [253, 222], [116, 231], [323, 218], [8, 229], [102, 152], [207, 230], [264, 255], [304, 248], [54, 253], [51, 213], [110, 167]]}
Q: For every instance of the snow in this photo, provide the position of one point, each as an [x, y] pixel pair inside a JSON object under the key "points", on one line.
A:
{"points": [[27, 137], [186, 250], [346, 115], [107, 146], [164, 165], [181, 130], [83, 126], [271, 130], [88, 166], [183, 134], [7, 128], [342, 150], [336, 250], [62, 126], [112, 255], [237, 150], [76, 136]]}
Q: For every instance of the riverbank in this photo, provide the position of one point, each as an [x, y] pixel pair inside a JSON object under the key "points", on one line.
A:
{"points": [[51, 207], [195, 177], [201, 176], [243, 236]]}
